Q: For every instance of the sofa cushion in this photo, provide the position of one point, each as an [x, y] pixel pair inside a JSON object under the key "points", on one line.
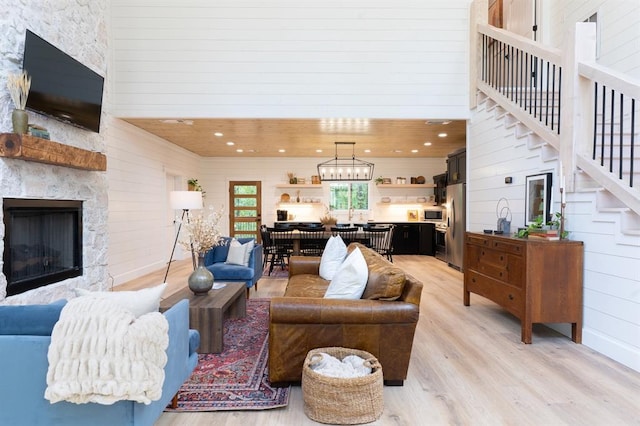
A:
{"points": [[137, 302], [224, 272], [30, 320], [335, 251], [386, 281], [306, 285], [350, 279]]}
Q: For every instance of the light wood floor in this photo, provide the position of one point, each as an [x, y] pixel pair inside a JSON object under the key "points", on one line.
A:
{"points": [[468, 367]]}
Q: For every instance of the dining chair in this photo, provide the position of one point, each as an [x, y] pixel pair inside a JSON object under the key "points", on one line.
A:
{"points": [[376, 239], [312, 241], [268, 248], [348, 234], [283, 242]]}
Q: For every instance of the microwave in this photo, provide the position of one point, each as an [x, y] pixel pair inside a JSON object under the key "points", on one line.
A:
{"points": [[433, 215]]}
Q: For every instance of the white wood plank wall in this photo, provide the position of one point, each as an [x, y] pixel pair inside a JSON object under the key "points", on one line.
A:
{"points": [[617, 23], [140, 231], [284, 58]]}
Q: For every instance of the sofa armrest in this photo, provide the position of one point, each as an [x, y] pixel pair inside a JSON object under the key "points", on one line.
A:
{"points": [[304, 265], [308, 310], [255, 262]]}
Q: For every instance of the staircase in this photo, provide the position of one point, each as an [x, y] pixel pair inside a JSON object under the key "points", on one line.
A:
{"points": [[569, 119]]}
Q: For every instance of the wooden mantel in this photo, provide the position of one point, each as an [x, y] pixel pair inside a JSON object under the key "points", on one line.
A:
{"points": [[30, 148]]}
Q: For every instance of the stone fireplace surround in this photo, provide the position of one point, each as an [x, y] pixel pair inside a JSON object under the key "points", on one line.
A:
{"points": [[25, 179]]}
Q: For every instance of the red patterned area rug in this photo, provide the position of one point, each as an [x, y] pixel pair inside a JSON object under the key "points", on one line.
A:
{"points": [[277, 272], [237, 378]]}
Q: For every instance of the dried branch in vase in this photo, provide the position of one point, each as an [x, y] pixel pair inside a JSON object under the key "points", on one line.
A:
{"points": [[19, 85]]}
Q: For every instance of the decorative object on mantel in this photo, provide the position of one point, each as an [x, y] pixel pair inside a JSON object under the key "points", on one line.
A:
{"points": [[204, 234], [345, 168], [19, 85]]}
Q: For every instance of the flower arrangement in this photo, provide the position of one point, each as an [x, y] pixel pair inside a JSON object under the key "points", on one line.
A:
{"points": [[203, 232], [19, 85]]}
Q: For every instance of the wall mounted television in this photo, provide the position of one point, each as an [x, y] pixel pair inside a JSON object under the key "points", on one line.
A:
{"points": [[62, 87]]}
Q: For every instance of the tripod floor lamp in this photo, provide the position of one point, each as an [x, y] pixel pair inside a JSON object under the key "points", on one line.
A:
{"points": [[185, 201]]}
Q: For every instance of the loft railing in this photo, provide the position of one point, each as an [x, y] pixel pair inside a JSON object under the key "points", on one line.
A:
{"points": [[588, 113]]}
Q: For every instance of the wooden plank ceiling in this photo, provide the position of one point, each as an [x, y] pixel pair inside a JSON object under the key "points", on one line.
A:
{"points": [[395, 138]]}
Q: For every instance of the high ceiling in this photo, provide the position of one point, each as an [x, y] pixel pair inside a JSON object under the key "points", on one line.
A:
{"points": [[309, 137]]}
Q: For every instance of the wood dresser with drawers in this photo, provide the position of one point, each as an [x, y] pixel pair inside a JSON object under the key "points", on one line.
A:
{"points": [[536, 280]]}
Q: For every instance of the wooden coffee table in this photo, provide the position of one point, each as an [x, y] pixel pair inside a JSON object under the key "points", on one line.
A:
{"points": [[207, 312]]}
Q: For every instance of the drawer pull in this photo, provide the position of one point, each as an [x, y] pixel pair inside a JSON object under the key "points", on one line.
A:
{"points": [[501, 258], [510, 296], [473, 280], [500, 274]]}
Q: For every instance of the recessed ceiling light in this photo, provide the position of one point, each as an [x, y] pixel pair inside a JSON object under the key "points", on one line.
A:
{"points": [[442, 135], [414, 151], [178, 121], [239, 150], [318, 150], [282, 150], [218, 134], [427, 144], [397, 151], [230, 143], [367, 150]]}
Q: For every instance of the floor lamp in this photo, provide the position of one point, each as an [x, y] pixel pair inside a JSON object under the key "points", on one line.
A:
{"points": [[185, 201]]}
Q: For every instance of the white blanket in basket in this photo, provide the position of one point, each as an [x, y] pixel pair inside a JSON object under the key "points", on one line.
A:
{"points": [[102, 353]]}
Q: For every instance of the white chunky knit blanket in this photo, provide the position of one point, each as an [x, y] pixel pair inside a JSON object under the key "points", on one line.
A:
{"points": [[100, 352]]}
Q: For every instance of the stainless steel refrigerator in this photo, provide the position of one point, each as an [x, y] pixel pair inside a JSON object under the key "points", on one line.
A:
{"points": [[456, 222]]}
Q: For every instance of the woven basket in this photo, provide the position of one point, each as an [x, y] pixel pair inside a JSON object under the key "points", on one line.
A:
{"points": [[342, 401]]}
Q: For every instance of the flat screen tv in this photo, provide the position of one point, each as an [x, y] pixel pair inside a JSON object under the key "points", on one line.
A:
{"points": [[62, 87]]}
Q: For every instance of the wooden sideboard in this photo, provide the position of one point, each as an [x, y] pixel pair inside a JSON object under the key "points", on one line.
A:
{"points": [[536, 280]]}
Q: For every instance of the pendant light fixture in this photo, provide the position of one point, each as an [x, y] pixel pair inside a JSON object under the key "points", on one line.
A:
{"points": [[345, 168]]}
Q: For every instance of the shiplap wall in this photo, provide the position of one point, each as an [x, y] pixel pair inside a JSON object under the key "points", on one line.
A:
{"points": [[140, 231], [618, 24], [284, 58], [611, 281]]}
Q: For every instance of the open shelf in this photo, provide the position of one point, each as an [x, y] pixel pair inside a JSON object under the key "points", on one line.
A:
{"points": [[406, 185], [299, 185]]}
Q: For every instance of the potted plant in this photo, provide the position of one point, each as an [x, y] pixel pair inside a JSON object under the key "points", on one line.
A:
{"points": [[193, 185]]}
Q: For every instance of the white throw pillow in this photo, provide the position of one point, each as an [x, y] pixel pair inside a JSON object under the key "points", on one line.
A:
{"points": [[350, 280], [332, 257], [239, 253], [137, 302]]}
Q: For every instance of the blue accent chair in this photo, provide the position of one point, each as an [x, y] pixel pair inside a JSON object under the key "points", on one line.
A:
{"points": [[215, 259]]}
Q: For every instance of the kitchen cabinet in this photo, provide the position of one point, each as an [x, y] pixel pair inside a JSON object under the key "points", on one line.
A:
{"points": [[406, 239], [427, 239], [457, 167], [537, 281], [440, 191]]}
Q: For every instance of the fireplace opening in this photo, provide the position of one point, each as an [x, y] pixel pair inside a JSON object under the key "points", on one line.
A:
{"points": [[42, 242]]}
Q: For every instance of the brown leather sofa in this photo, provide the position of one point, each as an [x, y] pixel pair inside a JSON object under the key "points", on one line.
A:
{"points": [[382, 322]]}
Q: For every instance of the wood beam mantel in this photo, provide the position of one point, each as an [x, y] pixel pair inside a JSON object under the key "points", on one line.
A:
{"points": [[30, 148]]}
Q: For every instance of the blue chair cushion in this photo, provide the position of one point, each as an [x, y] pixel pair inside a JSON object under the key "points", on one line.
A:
{"points": [[30, 320], [224, 272]]}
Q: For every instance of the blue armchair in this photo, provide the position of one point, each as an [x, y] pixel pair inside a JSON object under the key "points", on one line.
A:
{"points": [[215, 259]]}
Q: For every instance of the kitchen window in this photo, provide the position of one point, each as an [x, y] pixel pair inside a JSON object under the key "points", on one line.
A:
{"points": [[349, 195]]}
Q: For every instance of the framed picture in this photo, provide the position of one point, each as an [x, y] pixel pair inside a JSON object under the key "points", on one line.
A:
{"points": [[412, 215], [537, 201]]}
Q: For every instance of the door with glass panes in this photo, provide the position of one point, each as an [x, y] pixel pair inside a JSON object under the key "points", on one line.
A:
{"points": [[245, 215]]}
